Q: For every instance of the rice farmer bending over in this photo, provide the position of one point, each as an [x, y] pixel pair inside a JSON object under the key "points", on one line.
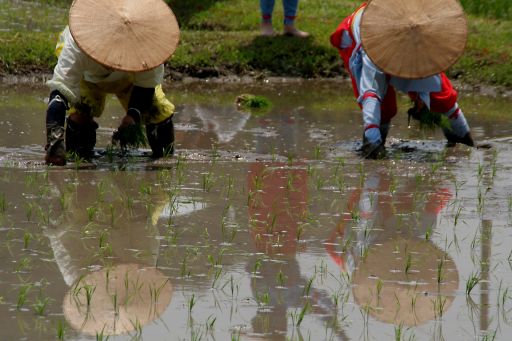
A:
{"points": [[390, 44], [111, 47]]}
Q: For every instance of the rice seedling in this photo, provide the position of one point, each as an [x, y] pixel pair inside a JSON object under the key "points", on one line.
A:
{"points": [[300, 231], [473, 280], [233, 287], [439, 304], [61, 330], [263, 299], [494, 167], [137, 327], [103, 239], [191, 303], [457, 216], [210, 323], [229, 186], [365, 314], [440, 270], [40, 305], [320, 182], [100, 336], [399, 331], [318, 152], [27, 237], [89, 292], [235, 335], [308, 286], [281, 279], [480, 172], [290, 159], [256, 267], [216, 276], [3, 203], [408, 264], [29, 207], [155, 292], [378, 288], [25, 264], [489, 335], [298, 317], [22, 295]]}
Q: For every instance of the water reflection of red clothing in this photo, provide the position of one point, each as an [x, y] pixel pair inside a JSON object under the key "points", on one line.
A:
{"points": [[386, 206], [277, 205]]}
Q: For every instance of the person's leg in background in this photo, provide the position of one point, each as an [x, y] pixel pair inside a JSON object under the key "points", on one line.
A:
{"points": [[267, 7], [290, 13]]}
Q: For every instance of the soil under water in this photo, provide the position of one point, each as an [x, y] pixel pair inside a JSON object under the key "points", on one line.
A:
{"points": [[263, 226]]}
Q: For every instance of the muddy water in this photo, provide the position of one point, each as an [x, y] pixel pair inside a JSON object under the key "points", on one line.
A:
{"points": [[262, 227]]}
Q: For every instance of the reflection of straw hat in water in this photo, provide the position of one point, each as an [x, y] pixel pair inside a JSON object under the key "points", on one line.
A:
{"points": [[125, 35], [414, 38], [407, 298], [122, 298]]}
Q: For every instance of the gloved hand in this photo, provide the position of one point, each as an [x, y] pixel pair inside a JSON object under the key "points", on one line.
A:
{"points": [[129, 133]]}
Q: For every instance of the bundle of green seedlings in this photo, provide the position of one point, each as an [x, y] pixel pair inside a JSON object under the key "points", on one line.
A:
{"points": [[252, 103], [133, 133], [428, 119]]}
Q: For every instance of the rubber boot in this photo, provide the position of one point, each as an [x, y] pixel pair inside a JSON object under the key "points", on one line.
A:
{"points": [[161, 138], [55, 118], [454, 139], [81, 135], [55, 148]]}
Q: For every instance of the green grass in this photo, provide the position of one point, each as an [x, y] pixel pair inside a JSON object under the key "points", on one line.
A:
{"points": [[220, 37]]}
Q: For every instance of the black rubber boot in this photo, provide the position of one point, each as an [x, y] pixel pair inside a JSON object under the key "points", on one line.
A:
{"points": [[55, 149], [454, 139], [161, 138], [81, 136], [55, 117]]}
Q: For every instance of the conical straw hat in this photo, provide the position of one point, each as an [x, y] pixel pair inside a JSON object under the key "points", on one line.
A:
{"points": [[125, 35], [117, 300], [414, 38]]}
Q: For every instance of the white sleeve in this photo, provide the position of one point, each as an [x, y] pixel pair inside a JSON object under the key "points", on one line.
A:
{"points": [[69, 70]]}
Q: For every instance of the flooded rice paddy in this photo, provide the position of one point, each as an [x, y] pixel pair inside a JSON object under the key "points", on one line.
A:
{"points": [[263, 226]]}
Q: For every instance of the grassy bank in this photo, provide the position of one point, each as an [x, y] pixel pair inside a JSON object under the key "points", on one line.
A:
{"points": [[220, 37]]}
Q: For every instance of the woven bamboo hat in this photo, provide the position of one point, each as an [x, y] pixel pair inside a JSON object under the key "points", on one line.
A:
{"points": [[117, 300], [414, 38], [125, 35]]}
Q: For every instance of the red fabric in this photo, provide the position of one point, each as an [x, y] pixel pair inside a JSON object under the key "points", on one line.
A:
{"points": [[372, 126], [388, 104], [442, 101]]}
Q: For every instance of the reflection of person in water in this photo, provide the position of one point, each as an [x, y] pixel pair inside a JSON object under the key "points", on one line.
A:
{"points": [[277, 207], [394, 268], [216, 124], [106, 249]]}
